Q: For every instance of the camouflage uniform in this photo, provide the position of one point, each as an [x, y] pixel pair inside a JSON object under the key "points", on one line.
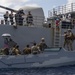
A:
{"points": [[70, 40], [66, 41]]}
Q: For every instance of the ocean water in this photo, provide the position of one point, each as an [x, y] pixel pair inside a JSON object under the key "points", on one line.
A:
{"points": [[67, 70]]}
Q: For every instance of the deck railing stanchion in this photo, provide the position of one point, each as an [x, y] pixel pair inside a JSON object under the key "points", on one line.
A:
{"points": [[71, 7]]}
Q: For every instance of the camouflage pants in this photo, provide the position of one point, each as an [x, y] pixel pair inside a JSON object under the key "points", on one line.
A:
{"points": [[66, 42], [70, 45]]}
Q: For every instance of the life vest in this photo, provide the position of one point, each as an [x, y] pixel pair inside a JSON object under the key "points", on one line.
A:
{"points": [[57, 22], [35, 50]]}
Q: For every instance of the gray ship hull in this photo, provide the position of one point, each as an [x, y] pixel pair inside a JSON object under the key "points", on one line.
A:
{"points": [[53, 57]]}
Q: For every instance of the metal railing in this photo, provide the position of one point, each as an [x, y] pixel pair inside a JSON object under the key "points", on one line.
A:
{"points": [[37, 21], [62, 9]]}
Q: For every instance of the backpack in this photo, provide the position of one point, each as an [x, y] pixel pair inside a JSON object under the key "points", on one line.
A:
{"points": [[72, 37]]}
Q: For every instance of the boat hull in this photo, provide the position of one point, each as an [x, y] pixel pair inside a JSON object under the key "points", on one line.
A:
{"points": [[44, 59]]}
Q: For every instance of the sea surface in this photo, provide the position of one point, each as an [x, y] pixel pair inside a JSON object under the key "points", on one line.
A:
{"points": [[66, 70]]}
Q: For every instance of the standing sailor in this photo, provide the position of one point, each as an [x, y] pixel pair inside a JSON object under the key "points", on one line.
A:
{"points": [[21, 14], [29, 18], [70, 35], [66, 40], [19, 17], [11, 18], [6, 15]]}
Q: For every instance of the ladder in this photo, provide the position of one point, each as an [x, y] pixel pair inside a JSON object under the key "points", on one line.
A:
{"points": [[57, 36]]}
